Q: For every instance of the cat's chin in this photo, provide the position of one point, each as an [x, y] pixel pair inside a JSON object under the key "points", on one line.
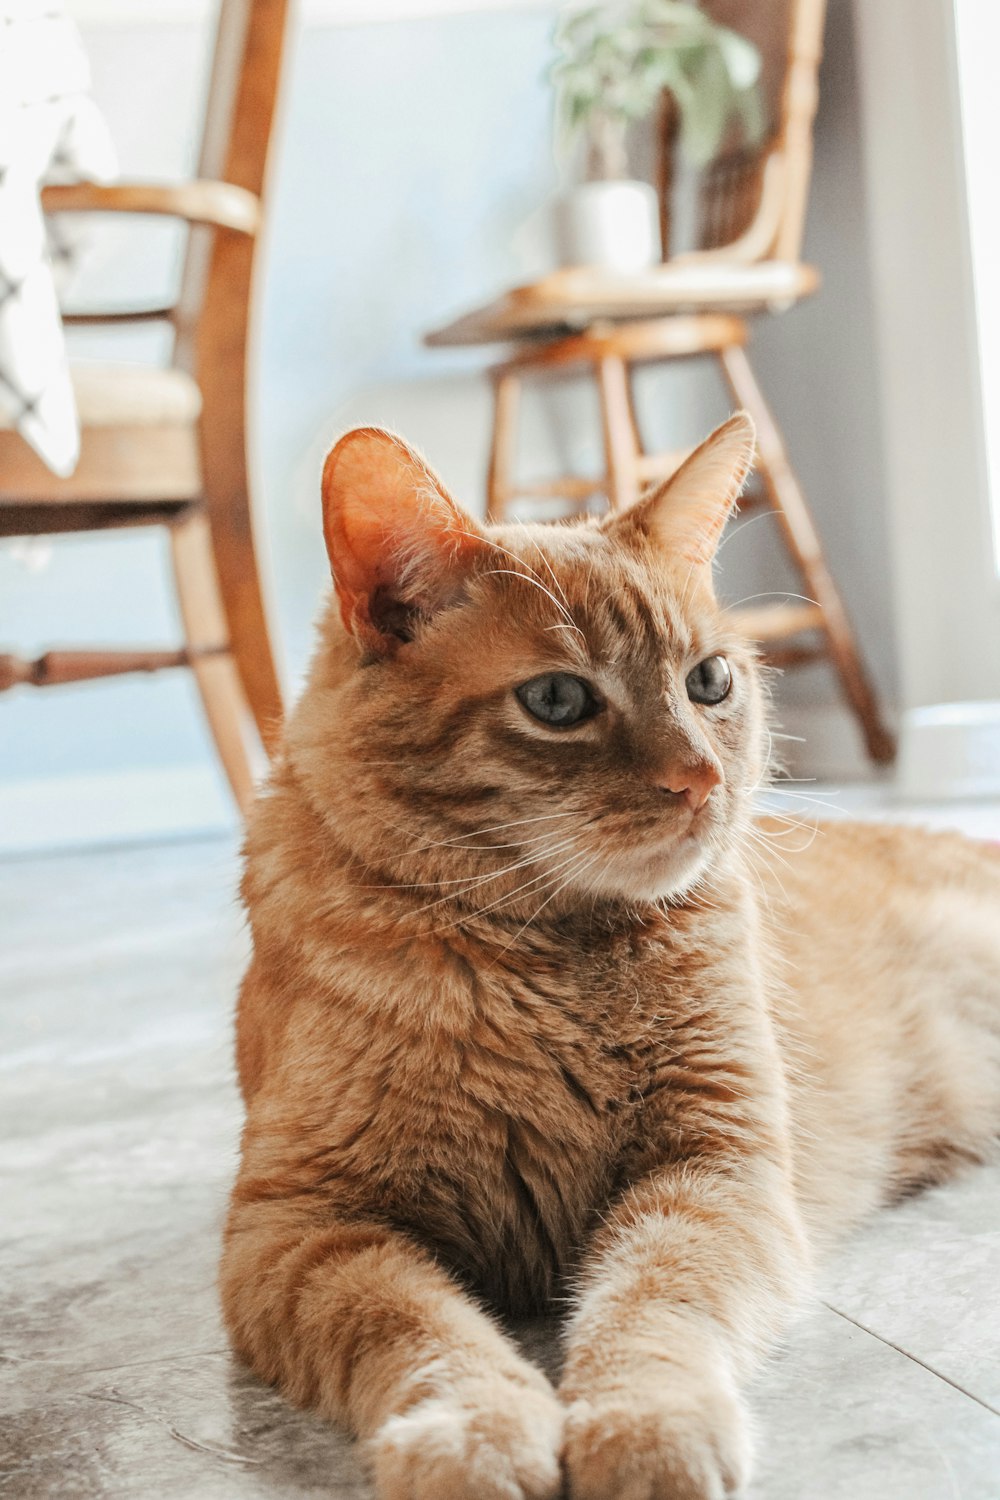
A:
{"points": [[660, 874]]}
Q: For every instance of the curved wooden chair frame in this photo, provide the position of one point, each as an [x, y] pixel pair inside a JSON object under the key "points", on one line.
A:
{"points": [[189, 474]]}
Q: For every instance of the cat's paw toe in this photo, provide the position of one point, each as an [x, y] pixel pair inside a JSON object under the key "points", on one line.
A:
{"points": [[498, 1442], [671, 1448]]}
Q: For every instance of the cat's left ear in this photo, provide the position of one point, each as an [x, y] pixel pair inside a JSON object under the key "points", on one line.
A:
{"points": [[686, 515], [399, 546]]}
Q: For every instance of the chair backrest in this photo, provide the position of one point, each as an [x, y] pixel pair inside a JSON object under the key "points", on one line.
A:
{"points": [[754, 199], [240, 110]]}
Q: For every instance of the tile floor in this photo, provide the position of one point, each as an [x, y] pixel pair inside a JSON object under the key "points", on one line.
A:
{"points": [[120, 1123]]}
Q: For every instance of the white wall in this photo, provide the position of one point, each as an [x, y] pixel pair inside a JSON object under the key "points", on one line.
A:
{"points": [[978, 38], [927, 347], [411, 152]]}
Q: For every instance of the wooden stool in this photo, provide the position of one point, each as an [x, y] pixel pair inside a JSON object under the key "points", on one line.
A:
{"points": [[611, 351], [751, 208]]}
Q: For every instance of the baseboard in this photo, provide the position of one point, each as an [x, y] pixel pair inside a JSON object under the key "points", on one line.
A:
{"points": [[50, 813]]}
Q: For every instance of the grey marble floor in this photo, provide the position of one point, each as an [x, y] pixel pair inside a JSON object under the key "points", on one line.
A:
{"points": [[120, 1124]]}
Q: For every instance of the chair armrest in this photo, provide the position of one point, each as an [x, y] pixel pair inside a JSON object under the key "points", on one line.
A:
{"points": [[220, 204]]}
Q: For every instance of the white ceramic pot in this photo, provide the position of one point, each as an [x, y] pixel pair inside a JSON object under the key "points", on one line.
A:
{"points": [[950, 750], [614, 225]]}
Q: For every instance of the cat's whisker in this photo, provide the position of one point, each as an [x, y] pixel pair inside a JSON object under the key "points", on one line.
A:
{"points": [[772, 594], [534, 577], [513, 844], [520, 561], [819, 802], [775, 836], [453, 843], [751, 843], [469, 883], [687, 587], [500, 827], [513, 573], [779, 835], [790, 815], [589, 861], [548, 567], [481, 848], [546, 875], [740, 524], [755, 837]]}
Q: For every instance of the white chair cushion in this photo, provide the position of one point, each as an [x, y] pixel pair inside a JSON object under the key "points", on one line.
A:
{"points": [[133, 395], [110, 395]]}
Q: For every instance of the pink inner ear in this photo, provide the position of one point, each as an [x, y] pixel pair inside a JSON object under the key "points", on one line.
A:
{"points": [[382, 508]]}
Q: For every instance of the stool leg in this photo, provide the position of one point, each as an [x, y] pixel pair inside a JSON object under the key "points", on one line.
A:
{"points": [[804, 545], [205, 630], [632, 413], [620, 444], [499, 483]]}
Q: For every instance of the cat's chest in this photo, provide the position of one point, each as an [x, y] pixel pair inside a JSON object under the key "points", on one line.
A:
{"points": [[507, 1109]]}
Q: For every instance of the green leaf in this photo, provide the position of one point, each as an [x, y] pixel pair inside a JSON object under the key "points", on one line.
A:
{"points": [[741, 57], [615, 59]]}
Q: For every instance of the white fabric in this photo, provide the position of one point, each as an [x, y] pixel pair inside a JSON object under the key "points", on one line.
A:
{"points": [[131, 395], [50, 131]]}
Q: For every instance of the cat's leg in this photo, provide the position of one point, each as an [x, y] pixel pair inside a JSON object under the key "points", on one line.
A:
{"points": [[360, 1322], [691, 1279]]}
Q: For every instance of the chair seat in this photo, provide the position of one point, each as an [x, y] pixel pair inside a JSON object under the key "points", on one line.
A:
{"points": [[139, 445], [577, 296], [123, 395]]}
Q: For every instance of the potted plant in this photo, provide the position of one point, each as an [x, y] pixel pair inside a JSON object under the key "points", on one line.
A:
{"points": [[616, 59]]}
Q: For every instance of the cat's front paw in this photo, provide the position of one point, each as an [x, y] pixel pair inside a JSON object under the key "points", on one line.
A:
{"points": [[678, 1445], [489, 1440]]}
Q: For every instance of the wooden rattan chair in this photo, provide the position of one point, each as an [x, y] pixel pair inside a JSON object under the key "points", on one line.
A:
{"points": [[751, 215], [168, 447]]}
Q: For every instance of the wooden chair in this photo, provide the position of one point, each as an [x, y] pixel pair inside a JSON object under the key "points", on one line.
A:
{"points": [[168, 447], [751, 218]]}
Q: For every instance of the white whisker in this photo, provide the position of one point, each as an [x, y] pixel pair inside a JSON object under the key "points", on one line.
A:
{"points": [[537, 583]]}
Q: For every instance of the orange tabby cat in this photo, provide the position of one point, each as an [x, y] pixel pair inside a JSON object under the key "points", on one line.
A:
{"points": [[528, 1018]]}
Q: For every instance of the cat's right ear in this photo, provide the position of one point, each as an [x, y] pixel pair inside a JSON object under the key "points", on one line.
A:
{"points": [[684, 517], [399, 546]]}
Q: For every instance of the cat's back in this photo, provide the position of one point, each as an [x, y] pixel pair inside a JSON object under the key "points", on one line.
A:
{"points": [[866, 897], [889, 1001]]}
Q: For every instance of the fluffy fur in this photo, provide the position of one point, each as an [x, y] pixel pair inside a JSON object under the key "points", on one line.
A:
{"points": [[534, 1017]]}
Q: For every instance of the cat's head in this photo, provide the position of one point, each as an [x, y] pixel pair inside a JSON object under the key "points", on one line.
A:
{"points": [[520, 715]]}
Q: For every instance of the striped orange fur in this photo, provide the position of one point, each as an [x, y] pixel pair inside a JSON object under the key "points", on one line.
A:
{"points": [[531, 1017]]}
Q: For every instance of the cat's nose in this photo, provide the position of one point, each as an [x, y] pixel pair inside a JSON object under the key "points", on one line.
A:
{"points": [[695, 783]]}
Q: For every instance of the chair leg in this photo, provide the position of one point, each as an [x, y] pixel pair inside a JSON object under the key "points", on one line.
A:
{"points": [[620, 436], [215, 671], [499, 481], [227, 497], [804, 545]]}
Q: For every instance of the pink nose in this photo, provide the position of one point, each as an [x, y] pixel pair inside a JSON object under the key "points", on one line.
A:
{"points": [[693, 783]]}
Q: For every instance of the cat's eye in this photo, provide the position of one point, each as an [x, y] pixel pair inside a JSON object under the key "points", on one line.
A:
{"points": [[710, 681], [558, 699]]}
